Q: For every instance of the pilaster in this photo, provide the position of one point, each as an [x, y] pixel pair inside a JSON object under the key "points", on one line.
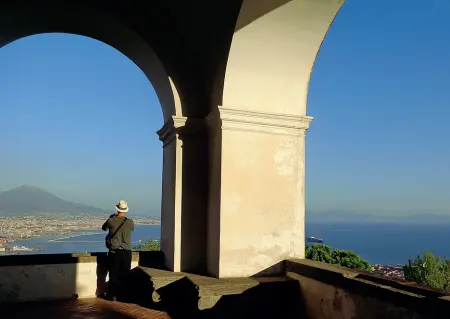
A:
{"points": [[184, 194], [171, 192], [256, 210]]}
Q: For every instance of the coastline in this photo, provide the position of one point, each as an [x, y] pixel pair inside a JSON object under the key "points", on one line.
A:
{"points": [[70, 232], [71, 243], [61, 240], [74, 233]]}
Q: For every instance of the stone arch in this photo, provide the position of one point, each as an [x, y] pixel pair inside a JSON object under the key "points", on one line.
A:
{"points": [[17, 23], [258, 129], [272, 54]]}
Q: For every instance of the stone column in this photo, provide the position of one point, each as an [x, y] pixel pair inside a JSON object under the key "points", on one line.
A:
{"points": [[171, 192], [256, 213], [184, 194]]}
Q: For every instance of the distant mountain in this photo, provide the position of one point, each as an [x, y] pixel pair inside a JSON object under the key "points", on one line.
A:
{"points": [[25, 200], [340, 216], [146, 213]]}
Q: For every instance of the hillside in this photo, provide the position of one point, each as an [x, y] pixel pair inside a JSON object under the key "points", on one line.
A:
{"points": [[25, 200]]}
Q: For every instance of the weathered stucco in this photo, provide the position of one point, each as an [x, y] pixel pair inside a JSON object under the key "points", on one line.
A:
{"points": [[271, 58], [262, 159], [84, 277], [328, 292]]}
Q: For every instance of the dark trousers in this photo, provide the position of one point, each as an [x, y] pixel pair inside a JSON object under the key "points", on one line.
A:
{"points": [[119, 265]]}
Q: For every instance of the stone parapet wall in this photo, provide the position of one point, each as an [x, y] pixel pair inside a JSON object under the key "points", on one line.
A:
{"points": [[329, 292], [312, 289], [60, 276]]}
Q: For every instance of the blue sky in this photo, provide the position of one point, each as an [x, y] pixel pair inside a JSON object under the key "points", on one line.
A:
{"points": [[81, 122], [79, 118]]}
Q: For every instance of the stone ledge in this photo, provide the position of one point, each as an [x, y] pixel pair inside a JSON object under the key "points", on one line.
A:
{"points": [[204, 285], [396, 292], [321, 271], [146, 258]]}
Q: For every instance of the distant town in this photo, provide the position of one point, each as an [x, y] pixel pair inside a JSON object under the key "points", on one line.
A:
{"points": [[28, 212], [392, 271], [24, 227]]}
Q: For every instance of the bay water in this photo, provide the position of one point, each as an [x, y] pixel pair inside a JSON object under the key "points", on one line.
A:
{"points": [[383, 243], [85, 240]]}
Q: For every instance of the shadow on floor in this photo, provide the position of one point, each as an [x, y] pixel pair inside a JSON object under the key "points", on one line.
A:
{"points": [[274, 300], [81, 308], [184, 298], [71, 309]]}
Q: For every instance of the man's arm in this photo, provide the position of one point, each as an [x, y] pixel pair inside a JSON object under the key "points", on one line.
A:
{"points": [[105, 225], [131, 224]]}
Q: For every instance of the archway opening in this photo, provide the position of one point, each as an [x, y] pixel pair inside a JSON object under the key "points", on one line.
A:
{"points": [[79, 135], [373, 161]]}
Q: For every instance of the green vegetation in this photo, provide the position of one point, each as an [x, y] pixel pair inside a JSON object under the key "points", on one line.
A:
{"points": [[344, 258], [429, 270], [149, 245]]}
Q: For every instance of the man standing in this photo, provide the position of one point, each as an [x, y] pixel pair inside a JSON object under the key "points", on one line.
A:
{"points": [[119, 244]]}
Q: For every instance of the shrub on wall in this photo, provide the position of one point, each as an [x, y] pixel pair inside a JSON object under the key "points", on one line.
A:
{"points": [[149, 245], [344, 258], [429, 270]]}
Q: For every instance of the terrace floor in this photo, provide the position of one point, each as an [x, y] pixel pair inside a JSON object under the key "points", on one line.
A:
{"points": [[79, 309]]}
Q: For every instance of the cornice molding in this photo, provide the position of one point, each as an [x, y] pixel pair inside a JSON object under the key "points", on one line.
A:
{"points": [[180, 126], [269, 123], [169, 130], [234, 120]]}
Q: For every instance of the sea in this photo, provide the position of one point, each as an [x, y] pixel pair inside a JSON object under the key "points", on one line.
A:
{"points": [[84, 241], [385, 243], [381, 243]]}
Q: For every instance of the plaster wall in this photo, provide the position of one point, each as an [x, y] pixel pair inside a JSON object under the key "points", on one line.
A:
{"points": [[47, 282], [327, 301], [258, 219], [330, 292], [271, 59]]}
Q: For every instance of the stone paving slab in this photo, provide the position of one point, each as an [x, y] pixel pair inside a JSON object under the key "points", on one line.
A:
{"points": [[205, 285], [79, 309]]}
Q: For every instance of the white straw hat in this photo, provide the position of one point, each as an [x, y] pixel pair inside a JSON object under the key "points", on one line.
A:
{"points": [[122, 206]]}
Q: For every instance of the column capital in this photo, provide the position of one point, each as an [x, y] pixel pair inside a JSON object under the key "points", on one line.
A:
{"points": [[270, 123], [180, 126], [169, 130]]}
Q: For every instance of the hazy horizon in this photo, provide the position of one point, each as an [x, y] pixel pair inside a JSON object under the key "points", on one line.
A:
{"points": [[82, 118], [335, 215]]}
